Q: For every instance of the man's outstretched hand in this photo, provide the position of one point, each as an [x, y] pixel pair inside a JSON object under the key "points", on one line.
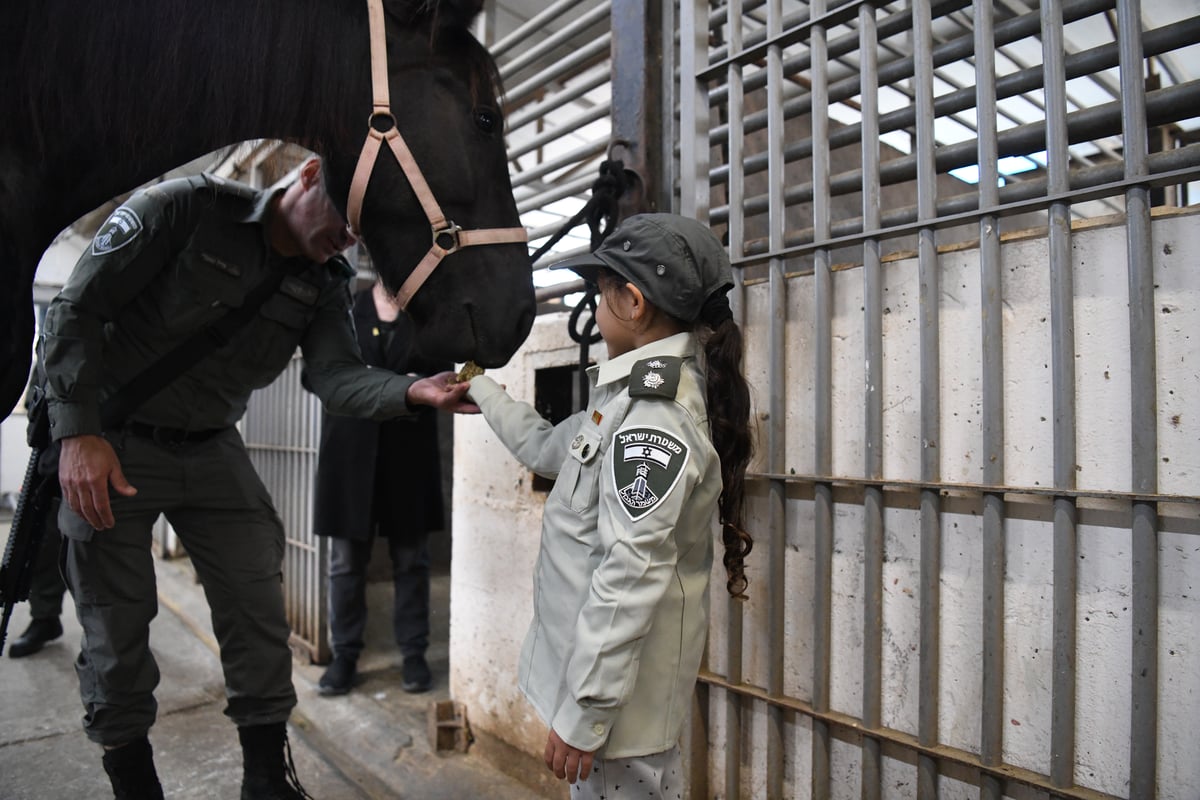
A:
{"points": [[443, 393]]}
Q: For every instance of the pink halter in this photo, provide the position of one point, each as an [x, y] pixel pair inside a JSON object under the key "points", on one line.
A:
{"points": [[447, 237]]}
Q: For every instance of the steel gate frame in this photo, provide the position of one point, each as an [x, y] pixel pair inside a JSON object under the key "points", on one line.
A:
{"points": [[1130, 180]]}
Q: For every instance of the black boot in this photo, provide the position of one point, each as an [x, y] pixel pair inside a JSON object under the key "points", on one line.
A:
{"points": [[268, 772], [130, 768], [37, 634]]}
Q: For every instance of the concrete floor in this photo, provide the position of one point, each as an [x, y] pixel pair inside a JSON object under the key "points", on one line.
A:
{"points": [[371, 744]]}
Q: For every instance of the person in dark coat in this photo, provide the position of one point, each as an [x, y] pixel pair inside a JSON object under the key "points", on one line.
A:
{"points": [[380, 478]]}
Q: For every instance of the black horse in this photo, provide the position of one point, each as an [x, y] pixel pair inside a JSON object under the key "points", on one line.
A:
{"points": [[99, 97]]}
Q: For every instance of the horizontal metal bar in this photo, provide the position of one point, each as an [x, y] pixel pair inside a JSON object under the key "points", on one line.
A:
{"points": [[854, 726], [559, 38], [533, 112], [1080, 64], [554, 132], [901, 69], [951, 487], [558, 192], [903, 222], [897, 23], [581, 154], [598, 49], [544, 293], [796, 33], [535, 23]]}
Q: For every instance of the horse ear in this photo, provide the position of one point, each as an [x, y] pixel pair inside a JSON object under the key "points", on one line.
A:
{"points": [[458, 13], [443, 13]]}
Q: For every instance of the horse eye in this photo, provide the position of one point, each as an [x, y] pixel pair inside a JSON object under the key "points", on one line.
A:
{"points": [[486, 120]]}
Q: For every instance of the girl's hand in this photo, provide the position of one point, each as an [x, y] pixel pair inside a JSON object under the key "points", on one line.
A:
{"points": [[565, 761]]}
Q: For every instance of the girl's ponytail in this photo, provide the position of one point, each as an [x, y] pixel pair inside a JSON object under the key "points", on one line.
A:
{"points": [[728, 397]]}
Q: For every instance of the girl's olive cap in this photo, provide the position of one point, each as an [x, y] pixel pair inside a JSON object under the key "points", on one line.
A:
{"points": [[676, 261]]}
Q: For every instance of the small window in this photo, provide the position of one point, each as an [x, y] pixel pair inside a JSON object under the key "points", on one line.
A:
{"points": [[556, 396]]}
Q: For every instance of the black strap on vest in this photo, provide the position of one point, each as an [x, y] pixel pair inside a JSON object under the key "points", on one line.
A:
{"points": [[154, 378]]}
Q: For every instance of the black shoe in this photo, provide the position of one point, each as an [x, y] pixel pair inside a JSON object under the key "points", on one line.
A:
{"points": [[130, 769], [417, 677], [37, 634], [339, 677], [268, 771]]}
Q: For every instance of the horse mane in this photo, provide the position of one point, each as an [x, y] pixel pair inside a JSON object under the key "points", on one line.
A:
{"points": [[146, 66]]}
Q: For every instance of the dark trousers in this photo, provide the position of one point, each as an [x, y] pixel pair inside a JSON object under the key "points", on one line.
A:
{"points": [[348, 560], [213, 497], [46, 587]]}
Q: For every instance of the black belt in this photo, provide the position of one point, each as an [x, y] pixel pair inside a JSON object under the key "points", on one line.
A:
{"points": [[171, 436]]}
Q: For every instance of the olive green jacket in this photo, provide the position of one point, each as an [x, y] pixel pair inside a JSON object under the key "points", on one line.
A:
{"points": [[622, 576], [171, 260]]}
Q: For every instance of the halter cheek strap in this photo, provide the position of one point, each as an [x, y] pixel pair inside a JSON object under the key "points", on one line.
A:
{"points": [[381, 127]]}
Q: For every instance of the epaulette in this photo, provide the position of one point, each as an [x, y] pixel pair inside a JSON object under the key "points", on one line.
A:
{"points": [[655, 377], [227, 188]]}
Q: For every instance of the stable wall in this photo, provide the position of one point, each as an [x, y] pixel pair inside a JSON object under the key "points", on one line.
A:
{"points": [[496, 519]]}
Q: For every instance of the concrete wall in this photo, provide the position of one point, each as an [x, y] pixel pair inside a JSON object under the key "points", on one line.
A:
{"points": [[496, 520]]}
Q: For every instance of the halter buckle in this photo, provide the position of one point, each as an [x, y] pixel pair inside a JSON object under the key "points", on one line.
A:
{"points": [[448, 233]]}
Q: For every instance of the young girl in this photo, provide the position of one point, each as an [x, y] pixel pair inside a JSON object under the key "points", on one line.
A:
{"points": [[621, 583]]}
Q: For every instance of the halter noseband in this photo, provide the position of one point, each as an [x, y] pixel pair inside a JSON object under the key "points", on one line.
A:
{"points": [[447, 237]]}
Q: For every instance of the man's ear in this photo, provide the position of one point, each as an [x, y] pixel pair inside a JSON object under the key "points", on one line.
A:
{"points": [[310, 173]]}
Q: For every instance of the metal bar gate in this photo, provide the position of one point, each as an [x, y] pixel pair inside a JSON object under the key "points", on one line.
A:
{"points": [[929, 509]]}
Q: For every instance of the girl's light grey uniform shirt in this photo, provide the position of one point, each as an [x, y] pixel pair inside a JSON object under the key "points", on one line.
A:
{"points": [[622, 577]]}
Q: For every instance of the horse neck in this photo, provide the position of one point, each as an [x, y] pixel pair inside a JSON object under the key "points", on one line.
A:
{"points": [[231, 78]]}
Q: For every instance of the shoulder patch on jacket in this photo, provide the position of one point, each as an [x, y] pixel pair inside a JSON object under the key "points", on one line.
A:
{"points": [[647, 463], [655, 377], [121, 228]]}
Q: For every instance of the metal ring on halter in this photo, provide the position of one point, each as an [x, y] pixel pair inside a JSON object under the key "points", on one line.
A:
{"points": [[450, 230], [386, 114]]}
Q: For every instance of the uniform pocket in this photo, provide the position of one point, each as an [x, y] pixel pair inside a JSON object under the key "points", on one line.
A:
{"points": [[269, 342], [585, 468], [73, 526]]}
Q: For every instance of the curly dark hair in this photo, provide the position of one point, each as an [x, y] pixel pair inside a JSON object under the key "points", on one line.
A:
{"points": [[728, 398]]}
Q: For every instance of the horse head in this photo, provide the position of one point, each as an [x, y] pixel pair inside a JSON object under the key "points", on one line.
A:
{"points": [[478, 303]]}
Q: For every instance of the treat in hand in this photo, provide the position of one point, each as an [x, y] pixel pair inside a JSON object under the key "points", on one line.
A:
{"points": [[469, 370]]}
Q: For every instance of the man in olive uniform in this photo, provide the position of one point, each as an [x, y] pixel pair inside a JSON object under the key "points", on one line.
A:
{"points": [[167, 263]]}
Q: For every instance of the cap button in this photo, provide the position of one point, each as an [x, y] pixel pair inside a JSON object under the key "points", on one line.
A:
{"points": [[628, 244], [661, 270]]}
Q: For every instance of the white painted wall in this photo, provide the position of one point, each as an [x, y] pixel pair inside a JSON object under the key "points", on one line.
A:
{"points": [[497, 521]]}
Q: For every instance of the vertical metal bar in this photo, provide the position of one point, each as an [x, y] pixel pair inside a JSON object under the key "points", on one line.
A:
{"points": [[1143, 722], [636, 125], [737, 235], [991, 744], [1062, 333], [693, 109], [822, 407], [873, 544], [777, 408], [930, 507], [670, 97]]}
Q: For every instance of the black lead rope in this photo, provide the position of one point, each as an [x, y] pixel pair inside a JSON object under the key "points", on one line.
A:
{"points": [[601, 212]]}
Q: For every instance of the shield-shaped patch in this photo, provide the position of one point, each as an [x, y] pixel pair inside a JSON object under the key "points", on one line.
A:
{"points": [[647, 463], [121, 228]]}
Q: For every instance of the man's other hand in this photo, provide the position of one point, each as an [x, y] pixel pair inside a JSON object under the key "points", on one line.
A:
{"points": [[86, 467]]}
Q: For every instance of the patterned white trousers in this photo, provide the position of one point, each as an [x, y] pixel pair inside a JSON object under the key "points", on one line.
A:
{"points": [[653, 777]]}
